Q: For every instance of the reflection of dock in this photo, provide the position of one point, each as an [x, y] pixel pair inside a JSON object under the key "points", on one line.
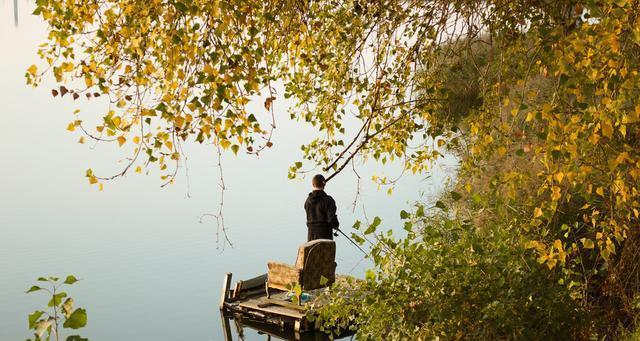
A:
{"points": [[275, 316], [271, 332], [15, 12]]}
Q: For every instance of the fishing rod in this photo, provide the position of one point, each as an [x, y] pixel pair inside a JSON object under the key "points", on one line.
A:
{"points": [[351, 240]]}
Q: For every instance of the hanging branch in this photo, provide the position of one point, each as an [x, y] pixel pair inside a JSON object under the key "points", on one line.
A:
{"points": [[220, 216]]}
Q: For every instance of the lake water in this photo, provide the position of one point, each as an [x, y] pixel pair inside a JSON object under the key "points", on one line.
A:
{"points": [[149, 269]]}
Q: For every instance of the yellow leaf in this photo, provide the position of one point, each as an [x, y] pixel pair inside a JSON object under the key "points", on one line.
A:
{"points": [[208, 69], [467, 187], [88, 81], [502, 150], [179, 121], [607, 129], [121, 140], [138, 169], [587, 243], [532, 244], [101, 187], [93, 180], [474, 129], [81, 140], [557, 244], [537, 212], [551, 263], [32, 69], [116, 121], [600, 191], [558, 177], [555, 193], [71, 127], [136, 139], [530, 116]]}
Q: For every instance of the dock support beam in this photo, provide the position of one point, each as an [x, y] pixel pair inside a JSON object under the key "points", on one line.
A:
{"points": [[226, 284]]}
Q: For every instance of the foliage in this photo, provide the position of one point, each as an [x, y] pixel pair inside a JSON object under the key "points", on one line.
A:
{"points": [[295, 289], [560, 142], [452, 280], [175, 71], [61, 310]]}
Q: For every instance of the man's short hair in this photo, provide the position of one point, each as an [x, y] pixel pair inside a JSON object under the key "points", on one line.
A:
{"points": [[318, 181]]}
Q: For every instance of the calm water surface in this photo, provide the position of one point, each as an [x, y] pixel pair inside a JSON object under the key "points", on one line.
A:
{"points": [[150, 270]]}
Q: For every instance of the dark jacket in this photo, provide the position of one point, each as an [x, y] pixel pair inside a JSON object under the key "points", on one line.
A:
{"points": [[321, 215]]}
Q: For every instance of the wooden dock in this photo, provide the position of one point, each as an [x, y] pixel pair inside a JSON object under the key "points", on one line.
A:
{"points": [[247, 302]]}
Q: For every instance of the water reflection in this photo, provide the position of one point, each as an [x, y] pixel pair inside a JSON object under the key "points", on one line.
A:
{"points": [[15, 12], [270, 332]]}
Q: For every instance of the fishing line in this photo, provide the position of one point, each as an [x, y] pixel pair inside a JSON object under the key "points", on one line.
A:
{"points": [[352, 242]]}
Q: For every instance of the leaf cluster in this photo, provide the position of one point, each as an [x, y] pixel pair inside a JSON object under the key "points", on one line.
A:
{"points": [[46, 323]]}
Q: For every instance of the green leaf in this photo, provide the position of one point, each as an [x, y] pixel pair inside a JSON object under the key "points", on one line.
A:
{"points": [[376, 221], [323, 280], [441, 205], [42, 279], [70, 279], [477, 198], [356, 225], [33, 318], [56, 299], [404, 214], [78, 319], [33, 288], [370, 275], [371, 229], [181, 7], [373, 226], [456, 196], [76, 338], [235, 149], [408, 226], [357, 238]]}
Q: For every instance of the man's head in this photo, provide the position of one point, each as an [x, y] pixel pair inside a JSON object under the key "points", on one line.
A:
{"points": [[318, 181]]}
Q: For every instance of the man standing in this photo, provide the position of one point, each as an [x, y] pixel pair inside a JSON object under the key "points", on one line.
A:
{"points": [[321, 211]]}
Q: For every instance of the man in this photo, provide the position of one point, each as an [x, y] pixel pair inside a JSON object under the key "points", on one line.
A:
{"points": [[321, 211]]}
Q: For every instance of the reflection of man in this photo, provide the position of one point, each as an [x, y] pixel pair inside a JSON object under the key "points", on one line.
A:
{"points": [[321, 211]]}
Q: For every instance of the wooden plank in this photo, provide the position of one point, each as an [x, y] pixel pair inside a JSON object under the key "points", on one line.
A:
{"points": [[236, 291], [226, 283], [249, 293], [256, 282], [276, 310], [286, 304]]}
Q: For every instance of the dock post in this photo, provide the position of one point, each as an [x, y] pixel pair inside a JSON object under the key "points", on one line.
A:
{"points": [[296, 329], [226, 328], [226, 283]]}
